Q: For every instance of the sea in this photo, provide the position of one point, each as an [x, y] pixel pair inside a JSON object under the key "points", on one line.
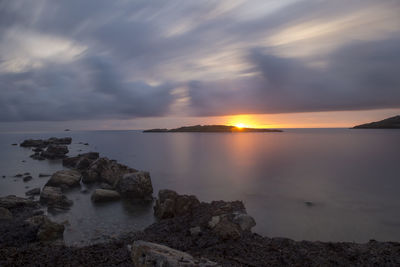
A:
{"points": [[303, 184]]}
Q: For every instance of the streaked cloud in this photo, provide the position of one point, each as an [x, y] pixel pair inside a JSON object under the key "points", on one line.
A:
{"points": [[64, 60]]}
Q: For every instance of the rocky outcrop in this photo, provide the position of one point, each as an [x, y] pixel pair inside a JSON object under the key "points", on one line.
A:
{"points": [[54, 198], [65, 179], [82, 161], [55, 152], [105, 170], [104, 195], [169, 204], [135, 185], [146, 254], [5, 214], [48, 231], [40, 143]]}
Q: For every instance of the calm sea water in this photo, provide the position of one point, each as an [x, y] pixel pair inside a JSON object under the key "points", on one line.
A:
{"points": [[351, 177]]}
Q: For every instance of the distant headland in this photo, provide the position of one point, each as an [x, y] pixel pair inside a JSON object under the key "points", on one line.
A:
{"points": [[390, 123], [212, 129]]}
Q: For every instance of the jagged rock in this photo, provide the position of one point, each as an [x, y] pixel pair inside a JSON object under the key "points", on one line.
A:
{"points": [[104, 195], [65, 179], [135, 185], [82, 161], [60, 141], [226, 229], [37, 156], [146, 254], [169, 204], [54, 198], [5, 214], [55, 152], [106, 186], [245, 221], [11, 202], [34, 143], [27, 178], [48, 231], [33, 192], [105, 170], [37, 149]]}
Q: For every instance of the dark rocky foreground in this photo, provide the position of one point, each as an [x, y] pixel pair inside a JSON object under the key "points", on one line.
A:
{"points": [[187, 233]]}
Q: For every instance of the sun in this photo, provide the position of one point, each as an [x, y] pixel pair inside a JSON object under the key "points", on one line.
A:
{"points": [[240, 125]]}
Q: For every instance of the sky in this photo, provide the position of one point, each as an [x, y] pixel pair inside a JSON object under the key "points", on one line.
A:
{"points": [[99, 64]]}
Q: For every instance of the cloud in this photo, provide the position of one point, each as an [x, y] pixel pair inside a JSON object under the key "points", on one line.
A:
{"points": [[67, 60], [357, 76]]}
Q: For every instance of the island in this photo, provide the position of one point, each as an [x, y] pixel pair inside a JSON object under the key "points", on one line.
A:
{"points": [[213, 129], [390, 123]]}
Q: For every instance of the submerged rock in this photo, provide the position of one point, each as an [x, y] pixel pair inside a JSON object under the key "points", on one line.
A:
{"points": [[48, 230], [41, 175], [169, 204], [104, 195], [135, 185], [146, 254], [54, 198], [27, 178], [65, 179]]}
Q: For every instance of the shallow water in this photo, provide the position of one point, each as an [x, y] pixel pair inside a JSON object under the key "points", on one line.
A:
{"points": [[312, 184]]}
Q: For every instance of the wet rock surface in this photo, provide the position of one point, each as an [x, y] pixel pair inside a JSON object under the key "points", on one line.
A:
{"points": [[65, 179], [105, 195], [54, 198], [169, 204], [135, 185]]}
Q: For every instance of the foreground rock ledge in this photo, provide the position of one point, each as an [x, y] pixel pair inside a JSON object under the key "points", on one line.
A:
{"points": [[146, 254]]}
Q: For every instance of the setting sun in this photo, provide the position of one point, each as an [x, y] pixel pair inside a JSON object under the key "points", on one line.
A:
{"points": [[240, 125]]}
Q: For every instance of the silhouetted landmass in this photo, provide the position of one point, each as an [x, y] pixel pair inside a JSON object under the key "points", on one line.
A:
{"points": [[211, 129], [390, 123]]}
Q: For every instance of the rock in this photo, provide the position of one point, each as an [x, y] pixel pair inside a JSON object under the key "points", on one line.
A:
{"points": [[214, 221], [82, 161], [245, 221], [86, 144], [65, 179], [37, 156], [5, 214], [53, 197], [11, 202], [55, 152], [227, 229], [34, 143], [33, 192], [60, 141], [18, 175], [146, 254], [104, 195], [135, 185], [37, 149], [3, 176], [27, 178], [195, 231], [27, 173], [105, 170], [48, 231], [309, 203], [14, 144], [106, 186], [41, 175], [169, 204]]}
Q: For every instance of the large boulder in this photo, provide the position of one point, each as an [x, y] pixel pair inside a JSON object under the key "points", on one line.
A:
{"points": [[231, 225], [34, 143], [48, 231], [55, 152], [54, 198], [105, 170], [169, 204], [65, 179], [135, 185], [104, 195], [5, 214], [146, 254]]}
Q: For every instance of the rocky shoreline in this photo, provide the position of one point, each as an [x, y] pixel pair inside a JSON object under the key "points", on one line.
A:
{"points": [[187, 232]]}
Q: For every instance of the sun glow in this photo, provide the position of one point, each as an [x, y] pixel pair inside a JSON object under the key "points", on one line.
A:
{"points": [[240, 125]]}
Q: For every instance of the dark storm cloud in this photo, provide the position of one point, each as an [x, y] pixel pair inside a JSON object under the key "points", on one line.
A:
{"points": [[358, 76], [66, 60]]}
